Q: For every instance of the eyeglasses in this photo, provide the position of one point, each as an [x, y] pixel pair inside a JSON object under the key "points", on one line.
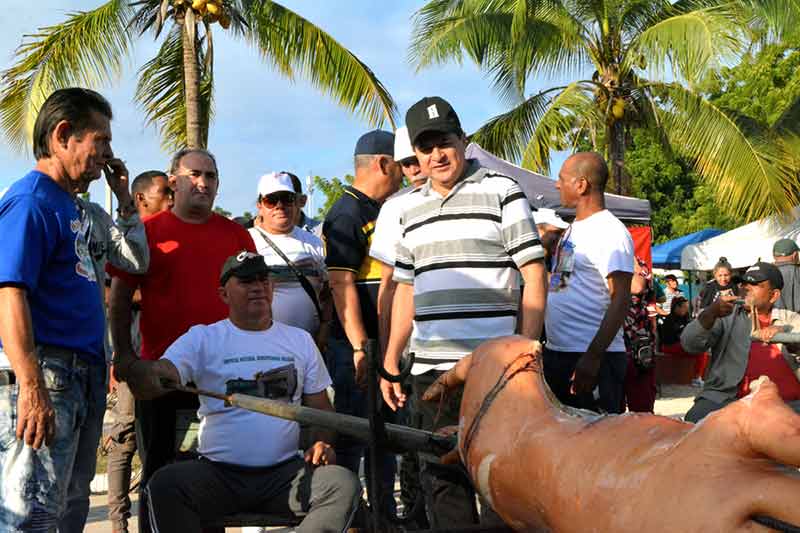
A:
{"points": [[271, 200]]}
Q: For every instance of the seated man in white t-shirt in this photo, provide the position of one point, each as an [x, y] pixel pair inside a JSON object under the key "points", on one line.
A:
{"points": [[292, 304], [589, 294], [249, 462]]}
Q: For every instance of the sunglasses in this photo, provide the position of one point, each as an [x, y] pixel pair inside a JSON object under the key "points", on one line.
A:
{"points": [[271, 200]]}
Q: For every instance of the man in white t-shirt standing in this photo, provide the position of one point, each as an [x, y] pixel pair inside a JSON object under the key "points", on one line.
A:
{"points": [[292, 303], [249, 462], [389, 231], [589, 293]]}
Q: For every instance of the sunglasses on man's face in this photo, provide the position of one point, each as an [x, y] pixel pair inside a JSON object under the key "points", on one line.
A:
{"points": [[271, 200]]}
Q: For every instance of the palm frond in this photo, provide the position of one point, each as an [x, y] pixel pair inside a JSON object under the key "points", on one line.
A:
{"points": [[507, 135], [160, 91], [88, 49], [774, 20], [291, 44], [508, 40], [690, 43], [538, 125], [740, 161]]}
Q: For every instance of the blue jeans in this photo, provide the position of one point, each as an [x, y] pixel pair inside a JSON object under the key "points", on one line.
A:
{"points": [[49, 487], [352, 400]]}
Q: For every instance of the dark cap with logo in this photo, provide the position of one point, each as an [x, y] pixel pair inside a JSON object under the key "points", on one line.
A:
{"points": [[243, 265], [764, 272], [375, 142], [783, 247], [431, 114]]}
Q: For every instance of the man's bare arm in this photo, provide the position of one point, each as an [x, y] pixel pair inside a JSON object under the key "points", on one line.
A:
{"points": [[400, 331], [348, 308], [35, 415], [386, 292], [120, 317], [320, 401], [588, 366], [533, 299], [147, 379]]}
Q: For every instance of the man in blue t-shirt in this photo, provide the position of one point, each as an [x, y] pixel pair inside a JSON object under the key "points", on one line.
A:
{"points": [[52, 382]]}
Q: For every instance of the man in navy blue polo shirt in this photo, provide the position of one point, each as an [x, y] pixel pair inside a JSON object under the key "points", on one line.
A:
{"points": [[51, 318]]}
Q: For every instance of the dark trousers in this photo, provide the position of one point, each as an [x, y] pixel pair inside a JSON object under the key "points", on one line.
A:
{"points": [[120, 458], [450, 498], [350, 399], [155, 436], [185, 495], [560, 366]]}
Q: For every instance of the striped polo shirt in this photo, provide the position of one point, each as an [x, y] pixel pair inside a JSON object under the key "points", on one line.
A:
{"points": [[462, 253]]}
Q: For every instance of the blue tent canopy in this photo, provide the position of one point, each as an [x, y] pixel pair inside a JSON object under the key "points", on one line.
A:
{"points": [[668, 254]]}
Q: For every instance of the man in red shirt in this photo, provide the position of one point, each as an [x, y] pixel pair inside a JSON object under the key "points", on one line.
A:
{"points": [[188, 246], [727, 328]]}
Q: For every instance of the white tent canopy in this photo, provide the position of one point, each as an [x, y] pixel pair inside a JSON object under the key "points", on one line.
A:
{"points": [[742, 246]]}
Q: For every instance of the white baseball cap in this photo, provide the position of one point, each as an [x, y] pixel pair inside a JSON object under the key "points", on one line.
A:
{"points": [[274, 182], [544, 215], [402, 145]]}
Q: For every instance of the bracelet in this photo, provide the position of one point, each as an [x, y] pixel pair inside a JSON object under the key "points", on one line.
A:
{"points": [[356, 350]]}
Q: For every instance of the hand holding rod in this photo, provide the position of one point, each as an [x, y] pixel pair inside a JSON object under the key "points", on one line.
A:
{"points": [[399, 438]]}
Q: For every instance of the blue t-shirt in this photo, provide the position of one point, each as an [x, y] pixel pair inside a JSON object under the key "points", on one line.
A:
{"points": [[43, 248]]}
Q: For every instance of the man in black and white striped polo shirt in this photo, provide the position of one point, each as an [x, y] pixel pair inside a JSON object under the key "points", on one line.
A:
{"points": [[465, 243]]}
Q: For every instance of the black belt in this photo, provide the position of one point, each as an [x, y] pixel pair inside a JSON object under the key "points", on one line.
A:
{"points": [[71, 357]]}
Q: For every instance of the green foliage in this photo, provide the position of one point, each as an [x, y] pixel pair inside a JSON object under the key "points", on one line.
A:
{"points": [[161, 90], [762, 85], [630, 64], [331, 189], [222, 211], [89, 48], [680, 202]]}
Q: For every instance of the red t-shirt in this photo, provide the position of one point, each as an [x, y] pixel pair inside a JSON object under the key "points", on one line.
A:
{"points": [[180, 288], [767, 360]]}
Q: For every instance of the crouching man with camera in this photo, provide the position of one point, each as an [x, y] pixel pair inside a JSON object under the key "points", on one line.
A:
{"points": [[248, 462]]}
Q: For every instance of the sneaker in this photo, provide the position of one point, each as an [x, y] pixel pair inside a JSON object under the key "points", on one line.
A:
{"points": [[697, 382]]}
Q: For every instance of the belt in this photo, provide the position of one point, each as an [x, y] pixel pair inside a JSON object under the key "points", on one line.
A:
{"points": [[65, 355]]}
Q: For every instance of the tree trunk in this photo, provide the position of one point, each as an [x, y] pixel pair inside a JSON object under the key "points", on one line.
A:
{"points": [[191, 78], [616, 158]]}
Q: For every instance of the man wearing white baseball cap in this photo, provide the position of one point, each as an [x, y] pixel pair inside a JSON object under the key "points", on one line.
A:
{"points": [[295, 257], [550, 227], [388, 232]]}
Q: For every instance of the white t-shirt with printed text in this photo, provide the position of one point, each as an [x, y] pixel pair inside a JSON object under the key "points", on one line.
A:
{"points": [[290, 302], [212, 355], [578, 296]]}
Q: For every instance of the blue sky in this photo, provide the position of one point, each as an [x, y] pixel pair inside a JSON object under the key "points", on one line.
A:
{"points": [[264, 122]]}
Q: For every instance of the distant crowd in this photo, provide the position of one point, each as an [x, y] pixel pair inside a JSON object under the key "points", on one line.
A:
{"points": [[289, 308]]}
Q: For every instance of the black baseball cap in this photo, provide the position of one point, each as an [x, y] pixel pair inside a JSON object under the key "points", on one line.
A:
{"points": [[764, 272], [432, 113], [242, 265], [375, 142]]}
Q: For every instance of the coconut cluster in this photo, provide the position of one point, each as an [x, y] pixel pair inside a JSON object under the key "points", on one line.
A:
{"points": [[210, 10]]}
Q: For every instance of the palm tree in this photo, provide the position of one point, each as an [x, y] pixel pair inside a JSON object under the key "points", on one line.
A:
{"points": [[633, 63], [175, 88]]}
